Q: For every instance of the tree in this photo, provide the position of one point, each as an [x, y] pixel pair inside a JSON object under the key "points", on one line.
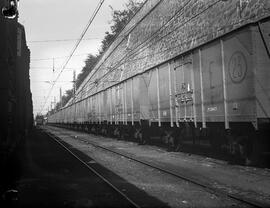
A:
{"points": [[90, 63], [119, 19], [67, 96]]}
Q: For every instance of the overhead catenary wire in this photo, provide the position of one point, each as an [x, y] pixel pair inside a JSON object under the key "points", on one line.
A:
{"points": [[48, 82], [60, 57], [61, 40], [75, 47], [34, 68]]}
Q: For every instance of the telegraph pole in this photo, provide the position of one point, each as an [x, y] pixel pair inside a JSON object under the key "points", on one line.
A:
{"points": [[61, 98]]}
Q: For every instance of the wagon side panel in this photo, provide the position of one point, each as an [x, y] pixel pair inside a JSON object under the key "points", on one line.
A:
{"points": [[164, 93], [137, 96], [240, 77], [143, 97], [262, 62], [128, 101], [197, 86], [212, 82]]}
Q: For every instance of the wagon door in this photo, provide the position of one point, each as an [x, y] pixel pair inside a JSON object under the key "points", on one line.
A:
{"points": [[148, 96], [184, 89], [212, 82], [144, 97]]}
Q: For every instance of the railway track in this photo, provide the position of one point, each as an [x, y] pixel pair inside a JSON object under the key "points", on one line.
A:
{"points": [[213, 190], [88, 166]]}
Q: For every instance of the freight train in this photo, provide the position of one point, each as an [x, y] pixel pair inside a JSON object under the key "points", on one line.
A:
{"points": [[188, 73], [15, 97], [39, 120]]}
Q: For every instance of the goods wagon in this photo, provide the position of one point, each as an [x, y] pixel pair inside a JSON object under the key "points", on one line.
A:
{"points": [[216, 95]]}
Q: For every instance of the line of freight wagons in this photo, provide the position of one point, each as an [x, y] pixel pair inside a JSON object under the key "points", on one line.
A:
{"points": [[215, 96]]}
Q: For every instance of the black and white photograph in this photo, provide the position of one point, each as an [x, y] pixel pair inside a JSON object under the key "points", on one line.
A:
{"points": [[134, 103]]}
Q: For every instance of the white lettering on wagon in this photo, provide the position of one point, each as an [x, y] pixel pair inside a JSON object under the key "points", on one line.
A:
{"points": [[210, 109], [164, 113]]}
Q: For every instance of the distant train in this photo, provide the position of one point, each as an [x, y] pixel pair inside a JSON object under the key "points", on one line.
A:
{"points": [[39, 120], [215, 95]]}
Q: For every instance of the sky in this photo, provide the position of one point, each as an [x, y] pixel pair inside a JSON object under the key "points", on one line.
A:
{"points": [[52, 29]]}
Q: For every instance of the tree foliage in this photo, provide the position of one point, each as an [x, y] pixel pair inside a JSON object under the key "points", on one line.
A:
{"points": [[68, 95], [90, 63], [119, 19]]}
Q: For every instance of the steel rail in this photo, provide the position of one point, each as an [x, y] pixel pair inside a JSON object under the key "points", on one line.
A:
{"points": [[183, 177], [56, 139]]}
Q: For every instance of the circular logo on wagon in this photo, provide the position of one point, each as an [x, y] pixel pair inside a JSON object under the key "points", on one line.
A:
{"points": [[237, 67]]}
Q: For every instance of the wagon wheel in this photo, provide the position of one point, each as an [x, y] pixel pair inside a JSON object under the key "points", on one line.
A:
{"points": [[141, 137], [170, 143], [245, 149], [178, 146], [122, 134], [105, 131], [116, 133], [175, 145], [93, 130], [136, 134], [129, 134], [237, 149]]}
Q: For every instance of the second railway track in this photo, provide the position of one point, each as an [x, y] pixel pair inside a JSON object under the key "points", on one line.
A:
{"points": [[213, 190]]}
